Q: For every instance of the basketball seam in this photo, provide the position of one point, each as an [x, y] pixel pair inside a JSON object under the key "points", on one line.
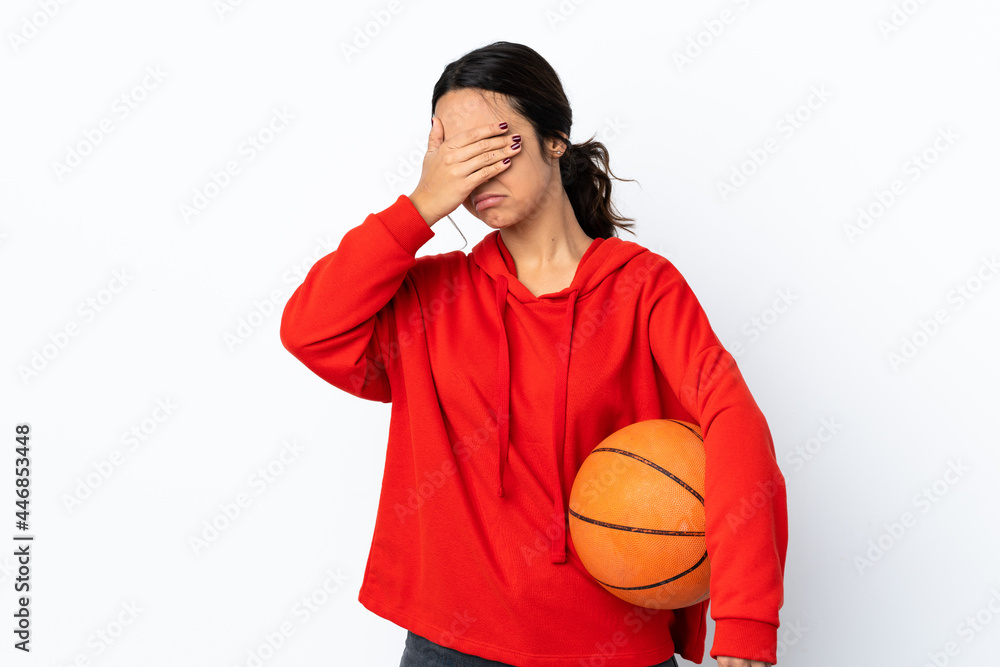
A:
{"points": [[697, 435], [634, 529], [652, 465], [691, 569]]}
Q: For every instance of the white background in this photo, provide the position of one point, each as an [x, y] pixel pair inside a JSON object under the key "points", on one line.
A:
{"points": [[353, 145]]}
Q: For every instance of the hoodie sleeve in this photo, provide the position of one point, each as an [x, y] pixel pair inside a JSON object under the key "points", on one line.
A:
{"points": [[746, 528], [337, 321]]}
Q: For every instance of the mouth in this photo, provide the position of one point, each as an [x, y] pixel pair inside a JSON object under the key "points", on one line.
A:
{"points": [[486, 200]]}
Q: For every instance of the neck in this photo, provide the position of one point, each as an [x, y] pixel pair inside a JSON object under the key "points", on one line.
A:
{"points": [[552, 240]]}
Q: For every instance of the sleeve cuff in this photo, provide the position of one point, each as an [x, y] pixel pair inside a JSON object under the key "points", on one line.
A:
{"points": [[406, 225], [745, 638]]}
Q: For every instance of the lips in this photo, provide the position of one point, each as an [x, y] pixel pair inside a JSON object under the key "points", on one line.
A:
{"points": [[486, 200], [483, 196]]}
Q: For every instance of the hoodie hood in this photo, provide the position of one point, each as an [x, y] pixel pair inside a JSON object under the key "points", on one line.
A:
{"points": [[602, 258]]}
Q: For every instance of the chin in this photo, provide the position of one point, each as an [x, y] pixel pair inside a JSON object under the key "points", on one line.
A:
{"points": [[496, 222]]}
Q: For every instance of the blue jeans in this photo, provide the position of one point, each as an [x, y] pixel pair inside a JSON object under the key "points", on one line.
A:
{"points": [[422, 652]]}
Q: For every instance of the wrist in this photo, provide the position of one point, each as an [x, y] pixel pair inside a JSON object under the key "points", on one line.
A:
{"points": [[422, 209]]}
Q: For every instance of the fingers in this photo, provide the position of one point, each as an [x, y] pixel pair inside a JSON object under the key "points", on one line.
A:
{"points": [[490, 170], [485, 151], [436, 136]]}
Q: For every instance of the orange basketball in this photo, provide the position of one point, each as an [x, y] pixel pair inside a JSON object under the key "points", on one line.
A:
{"points": [[637, 514]]}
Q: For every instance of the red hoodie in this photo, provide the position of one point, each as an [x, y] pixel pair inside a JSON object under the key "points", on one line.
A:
{"points": [[497, 398]]}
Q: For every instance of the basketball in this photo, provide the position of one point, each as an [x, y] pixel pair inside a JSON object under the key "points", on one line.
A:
{"points": [[637, 514]]}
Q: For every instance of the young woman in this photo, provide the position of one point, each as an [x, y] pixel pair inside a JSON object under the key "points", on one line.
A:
{"points": [[505, 367]]}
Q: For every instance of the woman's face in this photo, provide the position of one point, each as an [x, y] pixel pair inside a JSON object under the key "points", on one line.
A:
{"points": [[529, 183]]}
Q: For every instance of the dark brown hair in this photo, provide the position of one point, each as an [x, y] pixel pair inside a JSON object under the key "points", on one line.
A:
{"points": [[534, 91]]}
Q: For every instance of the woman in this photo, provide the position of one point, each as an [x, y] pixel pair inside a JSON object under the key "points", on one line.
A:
{"points": [[505, 367]]}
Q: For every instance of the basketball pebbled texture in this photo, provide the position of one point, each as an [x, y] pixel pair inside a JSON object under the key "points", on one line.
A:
{"points": [[637, 514]]}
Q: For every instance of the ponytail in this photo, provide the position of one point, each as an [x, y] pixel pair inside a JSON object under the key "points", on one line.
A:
{"points": [[586, 177]]}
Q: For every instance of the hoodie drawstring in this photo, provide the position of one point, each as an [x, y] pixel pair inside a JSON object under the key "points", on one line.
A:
{"points": [[503, 372], [557, 544]]}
